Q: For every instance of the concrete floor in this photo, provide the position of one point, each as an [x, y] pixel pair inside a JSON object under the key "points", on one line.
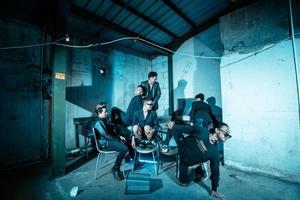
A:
{"points": [[35, 182]]}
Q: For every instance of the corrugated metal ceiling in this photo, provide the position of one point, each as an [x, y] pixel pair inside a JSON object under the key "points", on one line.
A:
{"points": [[159, 21], [166, 23]]}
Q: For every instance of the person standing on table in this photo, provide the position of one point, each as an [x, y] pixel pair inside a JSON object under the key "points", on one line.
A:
{"points": [[152, 89]]}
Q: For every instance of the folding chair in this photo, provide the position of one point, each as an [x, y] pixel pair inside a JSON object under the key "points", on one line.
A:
{"points": [[101, 152]]}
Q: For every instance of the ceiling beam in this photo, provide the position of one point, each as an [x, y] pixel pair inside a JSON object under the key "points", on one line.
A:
{"points": [[175, 44], [180, 13], [145, 18], [78, 11]]}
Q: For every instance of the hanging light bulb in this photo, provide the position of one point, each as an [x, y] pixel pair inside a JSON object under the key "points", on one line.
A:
{"points": [[67, 38], [102, 71]]}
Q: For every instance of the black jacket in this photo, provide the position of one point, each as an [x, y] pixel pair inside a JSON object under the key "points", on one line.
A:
{"points": [[134, 105], [155, 93], [150, 120], [202, 110]]}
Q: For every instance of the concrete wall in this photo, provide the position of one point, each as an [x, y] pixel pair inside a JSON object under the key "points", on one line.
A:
{"points": [[86, 86], [23, 136], [259, 91], [192, 75]]}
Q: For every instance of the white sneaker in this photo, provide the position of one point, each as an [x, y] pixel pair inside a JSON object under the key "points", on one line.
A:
{"points": [[205, 171], [164, 149]]}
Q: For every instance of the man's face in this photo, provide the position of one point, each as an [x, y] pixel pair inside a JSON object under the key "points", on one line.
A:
{"points": [[147, 129], [152, 80], [103, 114], [223, 133], [148, 105], [138, 91]]}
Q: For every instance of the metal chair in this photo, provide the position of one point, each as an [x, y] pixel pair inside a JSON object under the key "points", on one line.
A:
{"points": [[101, 152], [147, 150], [173, 151]]}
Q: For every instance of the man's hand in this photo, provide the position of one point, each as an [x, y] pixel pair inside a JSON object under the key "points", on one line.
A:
{"points": [[171, 124], [217, 195], [122, 138], [133, 142]]}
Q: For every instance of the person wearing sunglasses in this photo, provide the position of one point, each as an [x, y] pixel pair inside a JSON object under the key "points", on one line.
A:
{"points": [[196, 146], [145, 121]]}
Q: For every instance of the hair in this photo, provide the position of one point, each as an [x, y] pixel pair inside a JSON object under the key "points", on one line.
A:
{"points": [[147, 99], [220, 124], [99, 108], [201, 96], [142, 87], [152, 74]]}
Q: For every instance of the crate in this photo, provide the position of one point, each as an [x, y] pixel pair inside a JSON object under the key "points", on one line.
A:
{"points": [[138, 183]]}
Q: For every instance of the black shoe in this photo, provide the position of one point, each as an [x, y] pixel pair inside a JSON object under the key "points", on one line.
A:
{"points": [[183, 184], [120, 174], [201, 173], [116, 173]]}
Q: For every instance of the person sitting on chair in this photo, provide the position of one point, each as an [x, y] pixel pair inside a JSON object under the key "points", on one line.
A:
{"points": [[145, 121], [110, 140], [196, 146]]}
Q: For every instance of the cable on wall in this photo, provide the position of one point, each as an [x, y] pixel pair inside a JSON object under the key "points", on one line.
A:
{"points": [[57, 42]]}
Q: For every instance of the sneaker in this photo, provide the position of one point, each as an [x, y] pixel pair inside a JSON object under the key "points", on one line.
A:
{"points": [[164, 149], [205, 171]]}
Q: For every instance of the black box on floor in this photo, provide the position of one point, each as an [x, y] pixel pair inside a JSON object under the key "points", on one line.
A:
{"points": [[137, 183]]}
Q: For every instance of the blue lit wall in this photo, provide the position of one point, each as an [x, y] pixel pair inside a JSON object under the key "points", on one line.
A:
{"points": [[192, 75], [259, 92], [86, 86]]}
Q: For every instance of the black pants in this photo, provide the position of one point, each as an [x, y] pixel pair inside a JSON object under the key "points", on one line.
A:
{"points": [[115, 145], [183, 143]]}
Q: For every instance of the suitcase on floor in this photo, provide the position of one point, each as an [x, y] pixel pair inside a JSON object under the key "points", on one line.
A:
{"points": [[138, 183]]}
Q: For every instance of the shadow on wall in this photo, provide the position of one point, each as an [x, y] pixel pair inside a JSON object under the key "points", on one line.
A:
{"points": [[216, 110], [177, 92], [207, 74], [185, 105], [129, 93], [87, 97]]}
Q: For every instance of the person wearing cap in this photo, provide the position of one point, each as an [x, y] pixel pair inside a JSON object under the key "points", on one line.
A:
{"points": [[202, 111], [152, 89], [195, 146]]}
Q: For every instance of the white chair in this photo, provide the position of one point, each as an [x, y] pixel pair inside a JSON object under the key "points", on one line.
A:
{"points": [[173, 152], [101, 152], [147, 150]]}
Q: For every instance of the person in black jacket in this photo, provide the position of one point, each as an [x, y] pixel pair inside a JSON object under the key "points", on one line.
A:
{"points": [[135, 104], [110, 140], [195, 146], [145, 121], [202, 111], [152, 89]]}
